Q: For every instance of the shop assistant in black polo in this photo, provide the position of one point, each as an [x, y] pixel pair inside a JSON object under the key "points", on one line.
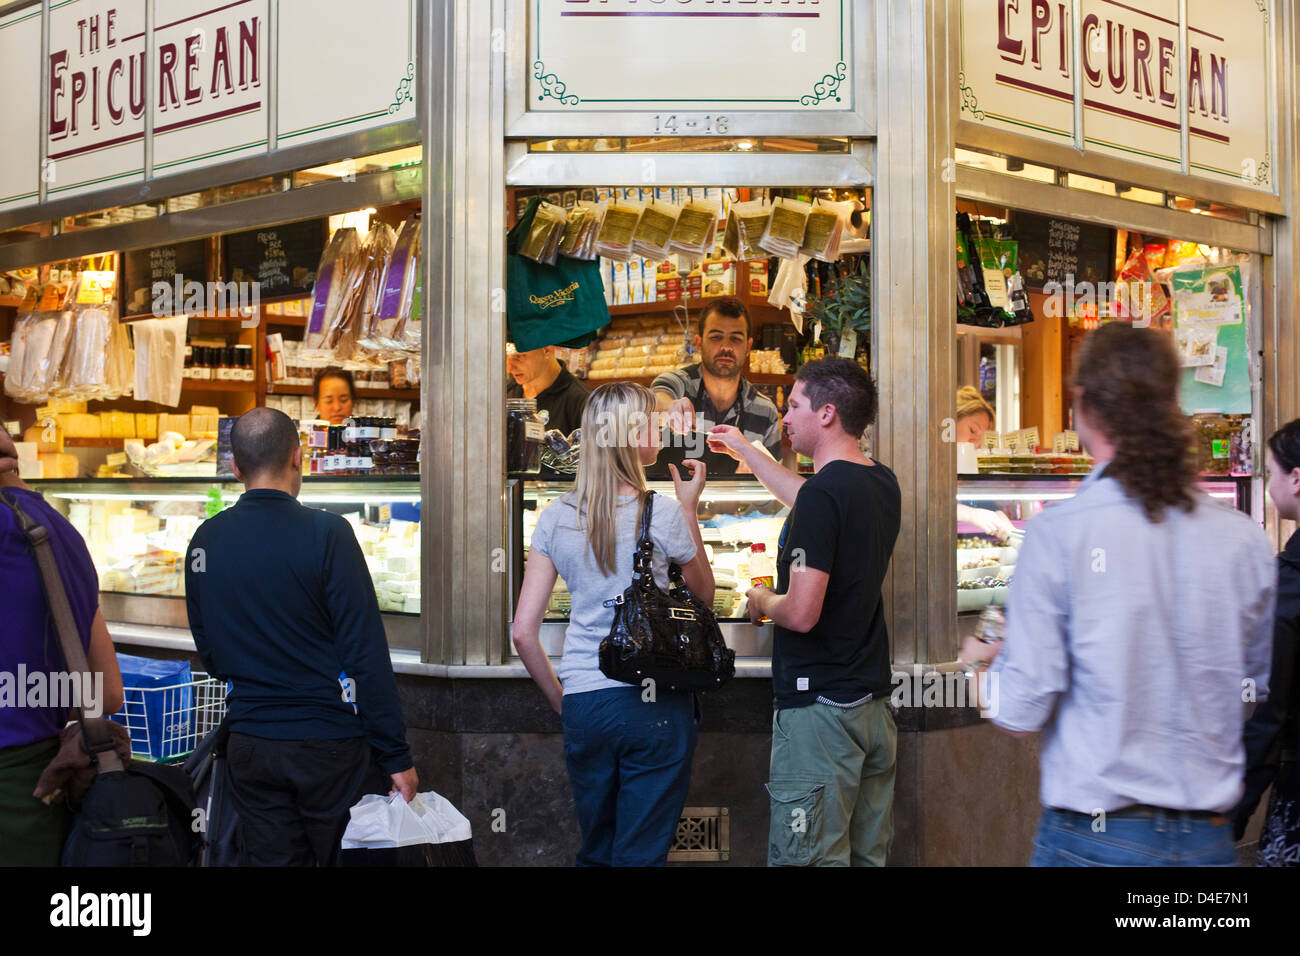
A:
{"points": [[563, 400], [844, 522]]}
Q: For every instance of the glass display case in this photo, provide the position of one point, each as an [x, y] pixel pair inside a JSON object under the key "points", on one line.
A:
{"points": [[985, 567], [734, 515], [137, 532]]}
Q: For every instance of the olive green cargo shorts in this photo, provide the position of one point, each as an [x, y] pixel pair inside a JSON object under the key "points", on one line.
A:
{"points": [[831, 785]]}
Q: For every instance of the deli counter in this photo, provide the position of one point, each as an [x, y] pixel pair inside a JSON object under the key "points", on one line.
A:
{"points": [[138, 532], [985, 567]]}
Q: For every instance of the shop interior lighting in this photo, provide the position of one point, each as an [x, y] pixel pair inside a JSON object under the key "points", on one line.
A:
{"points": [[1052, 496], [306, 497]]}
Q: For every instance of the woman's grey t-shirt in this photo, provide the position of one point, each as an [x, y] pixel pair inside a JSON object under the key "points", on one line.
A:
{"points": [[558, 537]]}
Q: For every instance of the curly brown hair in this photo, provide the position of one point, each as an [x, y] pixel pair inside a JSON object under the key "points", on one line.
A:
{"points": [[1129, 379]]}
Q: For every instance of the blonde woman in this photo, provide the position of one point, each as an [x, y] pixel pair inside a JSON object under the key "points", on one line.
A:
{"points": [[628, 749], [975, 417]]}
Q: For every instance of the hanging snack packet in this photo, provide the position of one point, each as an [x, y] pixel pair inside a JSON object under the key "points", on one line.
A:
{"points": [[542, 242], [1139, 297], [88, 360], [650, 240], [696, 228], [378, 250], [746, 224], [410, 328], [342, 335], [20, 347], [785, 227], [401, 273], [616, 231], [581, 230], [826, 223], [327, 294]]}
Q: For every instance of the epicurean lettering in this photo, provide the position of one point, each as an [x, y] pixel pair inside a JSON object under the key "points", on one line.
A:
{"points": [[558, 297]]}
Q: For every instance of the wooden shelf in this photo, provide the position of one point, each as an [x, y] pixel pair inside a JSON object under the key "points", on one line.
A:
{"points": [[406, 394], [274, 318], [199, 385], [94, 442]]}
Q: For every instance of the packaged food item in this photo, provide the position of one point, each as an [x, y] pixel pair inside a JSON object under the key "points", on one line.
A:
{"points": [[614, 241], [1154, 253], [360, 337], [364, 274], [160, 356], [1179, 252], [696, 228], [398, 315], [542, 242], [581, 228], [654, 229], [826, 222], [327, 295], [786, 227], [746, 224], [1138, 296]]}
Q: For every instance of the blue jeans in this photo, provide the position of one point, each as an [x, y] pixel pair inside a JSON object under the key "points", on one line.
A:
{"points": [[630, 766], [1165, 839]]}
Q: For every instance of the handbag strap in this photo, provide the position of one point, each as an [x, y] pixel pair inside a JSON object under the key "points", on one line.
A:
{"points": [[641, 565], [99, 743]]}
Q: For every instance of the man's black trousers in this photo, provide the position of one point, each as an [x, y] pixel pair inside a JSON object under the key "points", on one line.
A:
{"points": [[293, 796]]}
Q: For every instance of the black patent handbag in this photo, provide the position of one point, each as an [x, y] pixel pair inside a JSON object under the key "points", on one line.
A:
{"points": [[670, 636]]}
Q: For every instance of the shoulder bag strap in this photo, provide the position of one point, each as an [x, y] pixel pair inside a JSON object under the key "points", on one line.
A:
{"points": [[644, 546], [99, 743]]}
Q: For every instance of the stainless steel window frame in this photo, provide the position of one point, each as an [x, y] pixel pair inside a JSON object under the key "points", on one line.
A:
{"points": [[375, 189]]}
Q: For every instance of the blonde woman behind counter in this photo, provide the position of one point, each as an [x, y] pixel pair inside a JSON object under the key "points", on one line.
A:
{"points": [[974, 417]]}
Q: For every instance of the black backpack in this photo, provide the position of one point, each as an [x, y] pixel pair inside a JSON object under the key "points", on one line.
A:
{"points": [[141, 815], [135, 813]]}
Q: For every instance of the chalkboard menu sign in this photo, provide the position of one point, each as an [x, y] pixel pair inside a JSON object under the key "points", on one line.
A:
{"points": [[141, 268], [1052, 249], [282, 258]]}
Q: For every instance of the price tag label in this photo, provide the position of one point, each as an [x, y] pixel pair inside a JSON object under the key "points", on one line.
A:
{"points": [[385, 513], [849, 344]]}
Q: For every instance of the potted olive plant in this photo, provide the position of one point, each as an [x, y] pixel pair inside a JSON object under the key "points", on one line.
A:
{"points": [[845, 304]]}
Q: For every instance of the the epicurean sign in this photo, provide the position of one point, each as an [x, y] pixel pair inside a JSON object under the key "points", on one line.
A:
{"points": [[1017, 73]]}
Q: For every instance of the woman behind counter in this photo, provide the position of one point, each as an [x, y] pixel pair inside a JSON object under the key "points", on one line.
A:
{"points": [[974, 417], [629, 759], [334, 391]]}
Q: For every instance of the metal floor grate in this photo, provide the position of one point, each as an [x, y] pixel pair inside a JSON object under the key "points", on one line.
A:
{"points": [[703, 835]]}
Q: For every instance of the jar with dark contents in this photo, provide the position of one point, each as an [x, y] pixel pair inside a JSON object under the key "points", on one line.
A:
{"points": [[1214, 444], [524, 432]]}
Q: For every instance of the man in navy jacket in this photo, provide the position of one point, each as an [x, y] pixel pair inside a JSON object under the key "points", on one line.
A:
{"points": [[282, 606]]}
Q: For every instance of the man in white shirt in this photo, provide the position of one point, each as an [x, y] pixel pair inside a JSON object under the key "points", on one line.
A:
{"points": [[1139, 625]]}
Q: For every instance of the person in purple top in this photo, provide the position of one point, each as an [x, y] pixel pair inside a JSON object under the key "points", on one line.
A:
{"points": [[31, 833]]}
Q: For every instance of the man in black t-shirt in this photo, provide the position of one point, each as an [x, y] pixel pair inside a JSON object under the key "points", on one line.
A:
{"points": [[833, 735]]}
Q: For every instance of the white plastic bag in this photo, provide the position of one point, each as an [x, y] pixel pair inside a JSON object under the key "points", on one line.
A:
{"points": [[378, 822]]}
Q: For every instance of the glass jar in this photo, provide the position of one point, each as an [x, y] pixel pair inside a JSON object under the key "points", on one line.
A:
{"points": [[524, 431], [1214, 444]]}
